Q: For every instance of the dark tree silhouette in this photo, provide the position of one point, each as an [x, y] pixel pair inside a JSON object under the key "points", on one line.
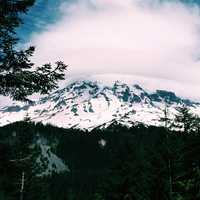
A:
{"points": [[19, 77], [184, 119]]}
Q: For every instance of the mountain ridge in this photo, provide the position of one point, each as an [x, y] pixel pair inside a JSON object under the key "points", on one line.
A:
{"points": [[87, 104]]}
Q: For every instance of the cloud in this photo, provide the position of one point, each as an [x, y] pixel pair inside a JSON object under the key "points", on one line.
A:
{"points": [[148, 38]]}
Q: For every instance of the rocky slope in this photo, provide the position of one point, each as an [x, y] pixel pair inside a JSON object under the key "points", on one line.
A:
{"points": [[87, 104]]}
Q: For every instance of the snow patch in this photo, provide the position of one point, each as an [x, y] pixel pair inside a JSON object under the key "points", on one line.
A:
{"points": [[49, 163]]}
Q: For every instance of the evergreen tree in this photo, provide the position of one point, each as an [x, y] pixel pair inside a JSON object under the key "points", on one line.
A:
{"points": [[196, 125], [5, 168], [19, 77], [165, 118], [18, 164], [184, 119], [167, 123], [188, 182]]}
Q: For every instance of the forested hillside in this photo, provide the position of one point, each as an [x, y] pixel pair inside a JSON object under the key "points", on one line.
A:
{"points": [[147, 163]]}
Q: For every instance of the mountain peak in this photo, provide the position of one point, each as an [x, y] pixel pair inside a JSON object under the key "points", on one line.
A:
{"points": [[88, 104]]}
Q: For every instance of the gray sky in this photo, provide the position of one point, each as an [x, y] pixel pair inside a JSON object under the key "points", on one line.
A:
{"points": [[138, 37]]}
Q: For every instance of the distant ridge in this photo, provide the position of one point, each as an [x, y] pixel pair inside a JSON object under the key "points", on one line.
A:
{"points": [[95, 102]]}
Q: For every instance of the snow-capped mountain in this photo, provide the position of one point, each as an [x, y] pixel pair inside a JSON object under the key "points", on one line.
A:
{"points": [[87, 104]]}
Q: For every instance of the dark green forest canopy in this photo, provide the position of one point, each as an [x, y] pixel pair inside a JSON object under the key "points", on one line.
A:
{"points": [[134, 162]]}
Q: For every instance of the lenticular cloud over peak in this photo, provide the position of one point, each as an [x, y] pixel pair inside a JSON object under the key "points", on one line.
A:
{"points": [[148, 38]]}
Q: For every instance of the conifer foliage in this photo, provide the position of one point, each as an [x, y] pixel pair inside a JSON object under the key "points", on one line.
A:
{"points": [[134, 163], [19, 77]]}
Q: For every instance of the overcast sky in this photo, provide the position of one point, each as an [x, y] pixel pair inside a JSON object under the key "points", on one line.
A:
{"points": [[151, 38]]}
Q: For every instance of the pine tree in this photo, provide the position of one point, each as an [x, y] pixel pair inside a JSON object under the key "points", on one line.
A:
{"points": [[24, 179], [27, 118], [188, 183], [166, 121], [19, 77], [165, 118], [184, 119], [5, 168], [196, 124]]}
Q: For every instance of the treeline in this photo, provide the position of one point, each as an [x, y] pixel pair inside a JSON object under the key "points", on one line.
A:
{"points": [[117, 163]]}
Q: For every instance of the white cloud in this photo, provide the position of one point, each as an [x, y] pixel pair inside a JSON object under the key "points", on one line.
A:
{"points": [[142, 37]]}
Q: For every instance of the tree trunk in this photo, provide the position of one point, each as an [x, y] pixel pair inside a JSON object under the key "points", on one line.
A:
{"points": [[22, 186]]}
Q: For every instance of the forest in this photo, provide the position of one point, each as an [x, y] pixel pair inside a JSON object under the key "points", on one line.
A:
{"points": [[142, 163]]}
